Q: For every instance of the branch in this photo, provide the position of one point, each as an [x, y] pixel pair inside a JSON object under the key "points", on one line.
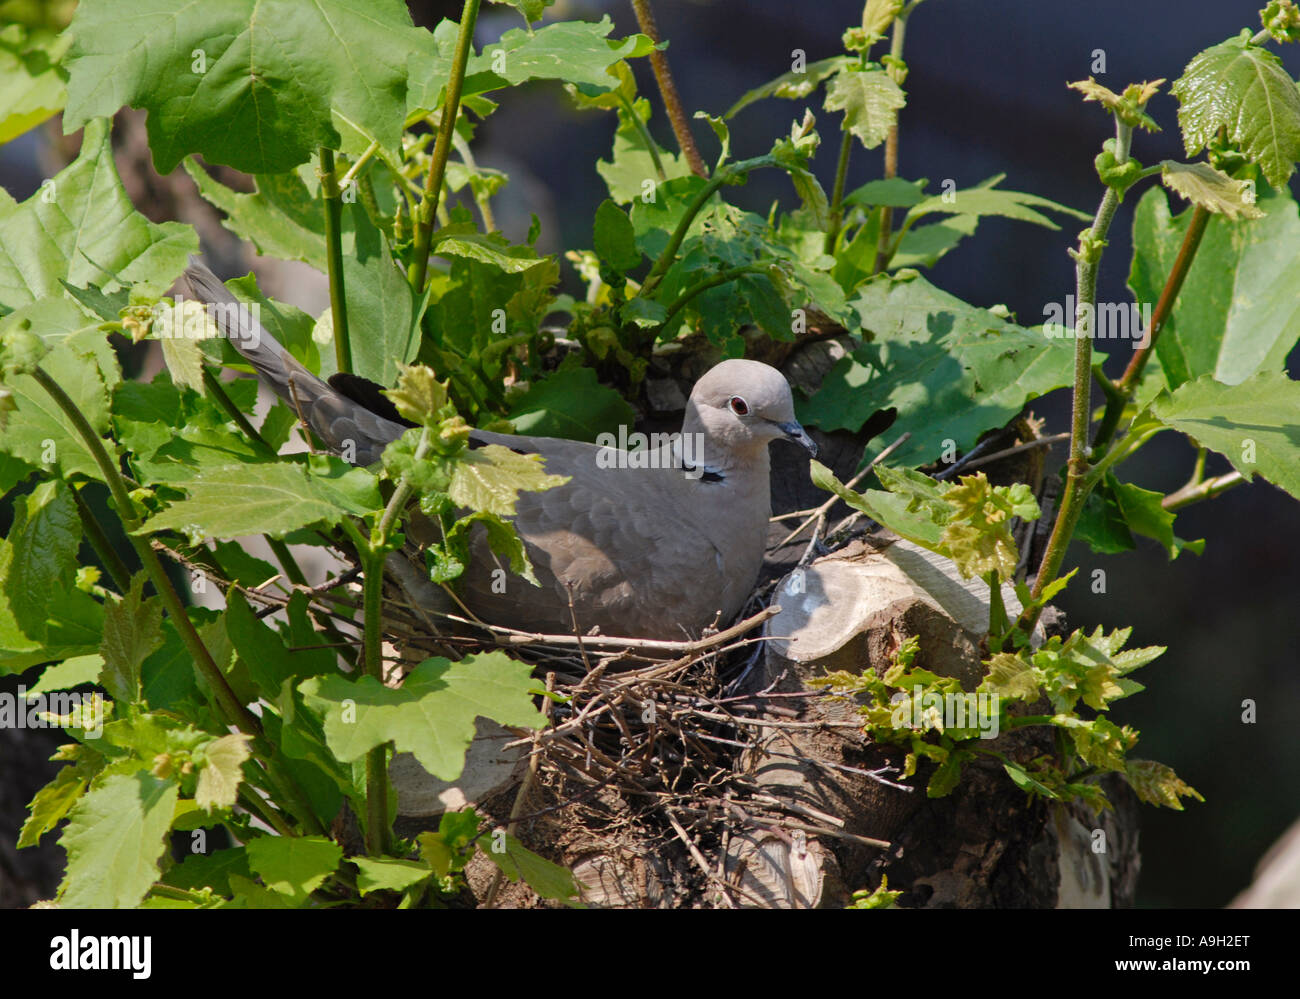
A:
{"points": [[428, 209], [645, 19]]}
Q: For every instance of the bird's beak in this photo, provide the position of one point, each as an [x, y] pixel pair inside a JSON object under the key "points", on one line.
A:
{"points": [[799, 435]]}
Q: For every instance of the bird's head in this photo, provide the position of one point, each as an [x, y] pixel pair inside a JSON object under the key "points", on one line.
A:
{"points": [[742, 405]]}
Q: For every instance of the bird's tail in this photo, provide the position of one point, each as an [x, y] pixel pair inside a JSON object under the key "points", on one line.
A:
{"points": [[344, 425]]}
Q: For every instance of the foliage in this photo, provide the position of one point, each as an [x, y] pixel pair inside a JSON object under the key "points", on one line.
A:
{"points": [[357, 131]]}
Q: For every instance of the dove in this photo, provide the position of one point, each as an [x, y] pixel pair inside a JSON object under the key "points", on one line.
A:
{"points": [[659, 543]]}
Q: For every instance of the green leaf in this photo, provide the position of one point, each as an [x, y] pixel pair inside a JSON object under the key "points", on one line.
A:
{"points": [[574, 51], [614, 238], [381, 305], [211, 870], [39, 432], [72, 672], [1157, 784], [987, 199], [1244, 89], [282, 217], [950, 369], [293, 865], [1212, 189], [792, 85], [1010, 676], [1026, 782], [132, 631], [32, 81], [888, 508], [274, 498], [431, 715], [945, 776], [870, 101], [73, 627], [262, 649], [388, 874], [1236, 314], [275, 89], [924, 245], [630, 172], [545, 878], [44, 538], [530, 10], [53, 802], [219, 779], [501, 537], [418, 395], [458, 240], [570, 403], [489, 479], [978, 535], [577, 52], [1115, 511], [1255, 425], [114, 841], [894, 192], [81, 227]]}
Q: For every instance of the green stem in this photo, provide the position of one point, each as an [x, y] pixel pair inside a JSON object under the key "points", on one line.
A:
{"points": [[1025, 721], [997, 612], [218, 392], [1087, 260], [355, 168], [501, 346], [837, 194], [697, 203], [160, 890], [647, 139], [117, 570], [484, 202], [329, 189], [428, 209], [236, 713], [372, 552], [377, 758], [1208, 489], [397, 502], [883, 252], [895, 243], [722, 277]]}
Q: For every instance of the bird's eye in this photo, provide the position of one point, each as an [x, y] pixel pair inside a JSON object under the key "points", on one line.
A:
{"points": [[739, 406]]}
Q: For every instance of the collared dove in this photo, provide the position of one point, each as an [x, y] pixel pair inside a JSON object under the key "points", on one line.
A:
{"points": [[656, 544]]}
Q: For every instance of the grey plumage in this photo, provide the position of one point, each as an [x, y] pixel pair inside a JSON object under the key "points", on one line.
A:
{"points": [[655, 544]]}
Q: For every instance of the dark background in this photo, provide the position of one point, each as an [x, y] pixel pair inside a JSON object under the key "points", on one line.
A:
{"points": [[987, 94]]}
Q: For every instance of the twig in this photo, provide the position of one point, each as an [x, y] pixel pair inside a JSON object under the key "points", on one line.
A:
{"points": [[723, 888], [1008, 452]]}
